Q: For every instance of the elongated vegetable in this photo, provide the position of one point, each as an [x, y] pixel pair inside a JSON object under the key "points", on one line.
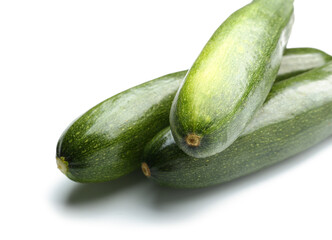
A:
{"points": [[296, 115], [108, 141], [231, 77], [299, 60]]}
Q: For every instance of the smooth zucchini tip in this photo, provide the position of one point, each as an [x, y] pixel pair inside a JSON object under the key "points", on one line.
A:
{"points": [[62, 164], [193, 140], [146, 169]]}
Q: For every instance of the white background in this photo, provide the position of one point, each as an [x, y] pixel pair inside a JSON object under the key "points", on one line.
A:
{"points": [[60, 58]]}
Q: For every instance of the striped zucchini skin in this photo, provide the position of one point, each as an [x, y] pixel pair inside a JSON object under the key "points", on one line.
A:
{"points": [[231, 77], [107, 141], [296, 115]]}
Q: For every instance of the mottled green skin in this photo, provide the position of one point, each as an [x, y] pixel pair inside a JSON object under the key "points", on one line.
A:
{"points": [[231, 77], [296, 115], [108, 141], [299, 60]]}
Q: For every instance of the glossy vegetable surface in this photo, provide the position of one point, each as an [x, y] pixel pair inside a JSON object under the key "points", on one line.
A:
{"points": [[107, 141], [299, 60], [231, 77], [296, 115]]}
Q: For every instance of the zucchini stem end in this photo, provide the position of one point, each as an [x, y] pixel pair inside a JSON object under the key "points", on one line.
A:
{"points": [[146, 169], [193, 140]]}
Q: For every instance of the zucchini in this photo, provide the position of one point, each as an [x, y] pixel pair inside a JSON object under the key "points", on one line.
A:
{"points": [[107, 142], [296, 115], [231, 77], [299, 60]]}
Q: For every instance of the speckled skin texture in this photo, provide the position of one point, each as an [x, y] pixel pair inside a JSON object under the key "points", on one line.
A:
{"points": [[231, 77], [296, 115], [107, 141]]}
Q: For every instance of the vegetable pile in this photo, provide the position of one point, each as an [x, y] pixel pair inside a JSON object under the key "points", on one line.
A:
{"points": [[246, 103]]}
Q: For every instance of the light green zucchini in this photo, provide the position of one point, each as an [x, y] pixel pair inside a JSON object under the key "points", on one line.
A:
{"points": [[231, 77]]}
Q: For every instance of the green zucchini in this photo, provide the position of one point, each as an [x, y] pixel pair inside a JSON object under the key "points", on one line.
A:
{"points": [[299, 60], [108, 141], [296, 115], [231, 77]]}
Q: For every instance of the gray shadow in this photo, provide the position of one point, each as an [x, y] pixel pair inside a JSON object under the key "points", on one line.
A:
{"points": [[90, 193]]}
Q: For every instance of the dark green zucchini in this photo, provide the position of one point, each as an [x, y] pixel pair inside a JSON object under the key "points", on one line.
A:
{"points": [[107, 141], [231, 77], [296, 115]]}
